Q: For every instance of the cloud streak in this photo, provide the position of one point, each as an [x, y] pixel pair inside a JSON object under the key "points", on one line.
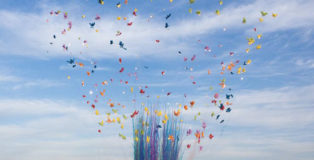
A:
{"points": [[140, 38]]}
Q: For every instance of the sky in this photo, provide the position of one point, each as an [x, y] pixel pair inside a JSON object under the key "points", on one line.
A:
{"points": [[43, 115]]}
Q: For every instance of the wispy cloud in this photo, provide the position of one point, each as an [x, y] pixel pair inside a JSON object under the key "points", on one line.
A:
{"points": [[309, 63], [9, 78], [55, 129], [43, 83], [140, 38], [248, 146], [67, 67], [262, 121], [59, 126], [270, 108]]}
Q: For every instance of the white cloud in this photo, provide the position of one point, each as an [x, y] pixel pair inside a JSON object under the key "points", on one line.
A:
{"points": [[273, 123], [36, 34], [18, 82], [257, 147], [34, 107], [269, 108], [289, 107], [260, 123], [43, 83], [305, 63], [47, 129], [67, 67], [9, 78]]}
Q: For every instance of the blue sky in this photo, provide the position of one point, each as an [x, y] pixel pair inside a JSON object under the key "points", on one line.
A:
{"points": [[42, 114]]}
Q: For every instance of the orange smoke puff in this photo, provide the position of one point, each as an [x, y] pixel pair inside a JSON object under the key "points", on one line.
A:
{"points": [[109, 120], [198, 135], [208, 72], [81, 64], [171, 138], [230, 66], [192, 103], [176, 113], [222, 85], [102, 93]]}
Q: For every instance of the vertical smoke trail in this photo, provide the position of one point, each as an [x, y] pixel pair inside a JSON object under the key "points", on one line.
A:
{"points": [[154, 140]]}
